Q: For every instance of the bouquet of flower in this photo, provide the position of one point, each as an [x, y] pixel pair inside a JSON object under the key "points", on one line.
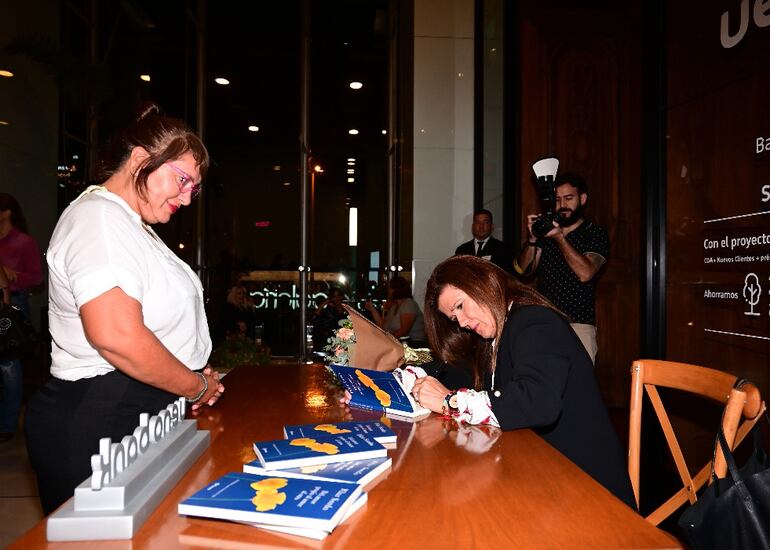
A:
{"points": [[342, 345]]}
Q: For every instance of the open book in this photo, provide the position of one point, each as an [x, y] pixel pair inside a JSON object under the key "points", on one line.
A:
{"points": [[371, 389]]}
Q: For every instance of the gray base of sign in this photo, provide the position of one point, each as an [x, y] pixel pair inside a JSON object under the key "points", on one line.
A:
{"points": [[117, 511]]}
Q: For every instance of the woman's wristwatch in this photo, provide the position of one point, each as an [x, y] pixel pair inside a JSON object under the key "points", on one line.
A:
{"points": [[203, 391], [449, 406]]}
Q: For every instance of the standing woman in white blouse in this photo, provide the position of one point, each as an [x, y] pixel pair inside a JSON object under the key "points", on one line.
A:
{"points": [[128, 327]]}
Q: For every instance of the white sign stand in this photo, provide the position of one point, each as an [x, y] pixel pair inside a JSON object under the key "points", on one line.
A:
{"points": [[130, 478]]}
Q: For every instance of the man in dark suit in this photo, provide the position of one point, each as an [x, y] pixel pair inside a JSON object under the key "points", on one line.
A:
{"points": [[484, 244]]}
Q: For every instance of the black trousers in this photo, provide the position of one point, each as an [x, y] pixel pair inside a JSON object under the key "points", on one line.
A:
{"points": [[65, 420]]}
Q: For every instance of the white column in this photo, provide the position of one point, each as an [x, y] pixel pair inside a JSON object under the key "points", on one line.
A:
{"points": [[443, 133]]}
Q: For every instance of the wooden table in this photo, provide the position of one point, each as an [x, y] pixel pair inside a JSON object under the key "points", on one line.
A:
{"points": [[450, 487]]}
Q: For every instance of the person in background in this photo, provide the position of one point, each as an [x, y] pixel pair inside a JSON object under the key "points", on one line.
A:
{"points": [[126, 315], [21, 270], [401, 314], [327, 318], [567, 260], [484, 245], [530, 369], [239, 316]]}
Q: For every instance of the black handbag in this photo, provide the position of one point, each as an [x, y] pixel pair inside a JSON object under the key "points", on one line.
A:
{"points": [[18, 337], [734, 512]]}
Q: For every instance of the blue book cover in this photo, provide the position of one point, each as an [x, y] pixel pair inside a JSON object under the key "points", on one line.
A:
{"points": [[353, 471], [274, 500], [371, 429], [373, 389], [320, 449]]}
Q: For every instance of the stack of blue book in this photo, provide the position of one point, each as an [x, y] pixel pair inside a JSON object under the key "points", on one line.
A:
{"points": [[303, 485], [311, 508]]}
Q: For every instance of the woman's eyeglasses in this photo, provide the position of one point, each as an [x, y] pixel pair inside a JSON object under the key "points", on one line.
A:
{"points": [[185, 182]]}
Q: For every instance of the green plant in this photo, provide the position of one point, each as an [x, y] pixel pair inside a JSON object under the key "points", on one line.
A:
{"points": [[238, 350]]}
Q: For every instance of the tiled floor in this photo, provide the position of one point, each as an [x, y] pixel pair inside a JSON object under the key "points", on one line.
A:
{"points": [[19, 505]]}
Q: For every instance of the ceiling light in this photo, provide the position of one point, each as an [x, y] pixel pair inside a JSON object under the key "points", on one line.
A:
{"points": [[222, 81], [356, 85], [3, 123], [276, 168], [353, 132], [351, 159], [317, 168], [351, 171], [5, 73], [253, 128], [286, 183], [384, 132], [351, 180], [181, 246], [145, 77]]}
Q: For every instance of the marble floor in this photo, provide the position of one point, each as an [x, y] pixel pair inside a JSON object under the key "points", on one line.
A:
{"points": [[19, 505]]}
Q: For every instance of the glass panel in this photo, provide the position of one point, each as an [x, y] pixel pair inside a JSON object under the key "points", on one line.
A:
{"points": [[718, 312]]}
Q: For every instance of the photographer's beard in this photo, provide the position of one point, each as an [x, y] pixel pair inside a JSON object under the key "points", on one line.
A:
{"points": [[568, 217]]}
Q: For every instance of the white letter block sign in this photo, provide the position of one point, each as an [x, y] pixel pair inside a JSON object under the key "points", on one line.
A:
{"points": [[130, 478]]}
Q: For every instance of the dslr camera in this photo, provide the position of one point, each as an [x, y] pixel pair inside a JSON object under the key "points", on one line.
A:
{"points": [[545, 171]]}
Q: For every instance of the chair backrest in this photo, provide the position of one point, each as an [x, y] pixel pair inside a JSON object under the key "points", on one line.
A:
{"points": [[745, 402]]}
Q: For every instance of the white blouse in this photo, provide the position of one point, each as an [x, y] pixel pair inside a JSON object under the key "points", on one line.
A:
{"points": [[98, 244]]}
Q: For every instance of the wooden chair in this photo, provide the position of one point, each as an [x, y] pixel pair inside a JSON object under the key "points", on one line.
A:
{"points": [[716, 385]]}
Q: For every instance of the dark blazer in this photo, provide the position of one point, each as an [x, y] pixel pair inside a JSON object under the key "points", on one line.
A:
{"points": [[501, 254], [545, 381]]}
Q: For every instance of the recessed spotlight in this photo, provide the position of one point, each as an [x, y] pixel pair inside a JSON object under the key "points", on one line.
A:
{"points": [[181, 246], [356, 85], [253, 128], [351, 159], [145, 77], [6, 73], [353, 132], [351, 180], [276, 168], [222, 81], [384, 132], [286, 183], [460, 75], [351, 171], [75, 157]]}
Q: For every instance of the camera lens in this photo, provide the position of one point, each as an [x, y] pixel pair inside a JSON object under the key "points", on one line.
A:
{"points": [[541, 226]]}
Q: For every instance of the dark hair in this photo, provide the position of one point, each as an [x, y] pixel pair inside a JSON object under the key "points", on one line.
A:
{"points": [[400, 288], [9, 202], [483, 211], [574, 180], [487, 285], [163, 138]]}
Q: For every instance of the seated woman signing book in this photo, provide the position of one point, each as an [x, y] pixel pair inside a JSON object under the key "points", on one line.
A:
{"points": [[529, 367]]}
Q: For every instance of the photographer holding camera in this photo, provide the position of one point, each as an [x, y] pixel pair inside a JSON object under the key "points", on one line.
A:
{"points": [[566, 251]]}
